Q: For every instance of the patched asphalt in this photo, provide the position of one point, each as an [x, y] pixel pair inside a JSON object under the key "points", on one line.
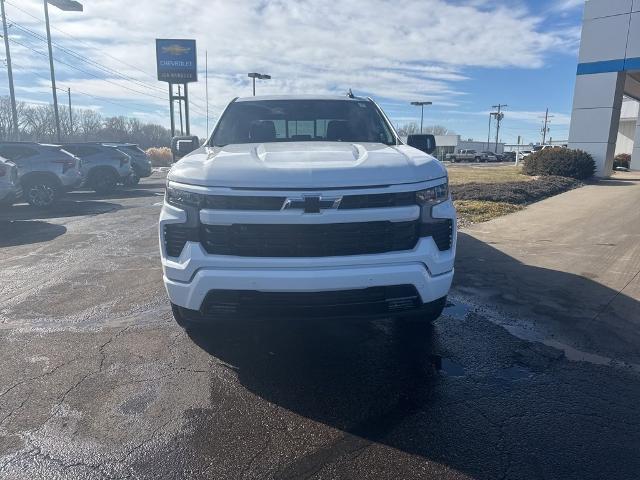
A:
{"points": [[97, 381]]}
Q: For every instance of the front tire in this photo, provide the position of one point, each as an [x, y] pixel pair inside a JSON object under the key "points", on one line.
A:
{"points": [[132, 180], [40, 193], [104, 182]]}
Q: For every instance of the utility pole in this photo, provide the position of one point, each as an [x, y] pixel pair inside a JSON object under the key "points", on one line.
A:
{"points": [[545, 127], [70, 113], [489, 134], [12, 93], [499, 116]]}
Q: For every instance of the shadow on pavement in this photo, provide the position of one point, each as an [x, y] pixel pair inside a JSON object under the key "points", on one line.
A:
{"points": [[378, 383], [26, 233], [595, 317], [65, 207]]}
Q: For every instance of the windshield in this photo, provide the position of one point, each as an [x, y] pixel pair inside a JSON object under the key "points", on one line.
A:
{"points": [[267, 121]]}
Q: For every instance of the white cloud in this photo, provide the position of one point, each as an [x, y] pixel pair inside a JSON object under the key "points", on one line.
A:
{"points": [[396, 51], [568, 5]]}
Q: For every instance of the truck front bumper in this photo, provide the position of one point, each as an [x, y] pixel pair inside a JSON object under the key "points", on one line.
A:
{"points": [[192, 294]]}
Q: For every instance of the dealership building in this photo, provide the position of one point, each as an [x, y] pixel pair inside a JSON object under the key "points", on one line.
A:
{"points": [[604, 120]]}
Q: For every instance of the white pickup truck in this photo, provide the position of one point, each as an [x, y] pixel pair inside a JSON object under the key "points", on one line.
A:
{"points": [[306, 206]]}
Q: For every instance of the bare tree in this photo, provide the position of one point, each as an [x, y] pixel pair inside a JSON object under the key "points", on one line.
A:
{"points": [[409, 129], [438, 130], [90, 124], [37, 123]]}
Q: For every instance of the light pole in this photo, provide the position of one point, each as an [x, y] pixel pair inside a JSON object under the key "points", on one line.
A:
{"points": [[12, 93], [259, 76], [66, 6], [421, 105]]}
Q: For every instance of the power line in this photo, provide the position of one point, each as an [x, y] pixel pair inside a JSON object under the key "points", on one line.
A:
{"points": [[93, 62], [85, 71], [82, 41], [103, 99], [92, 74], [82, 58]]}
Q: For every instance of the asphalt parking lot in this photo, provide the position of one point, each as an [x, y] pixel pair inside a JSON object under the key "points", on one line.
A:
{"points": [[97, 381]]}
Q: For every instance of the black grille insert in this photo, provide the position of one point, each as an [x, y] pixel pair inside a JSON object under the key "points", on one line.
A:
{"points": [[227, 202], [317, 240], [349, 202], [176, 236], [383, 200], [441, 230]]}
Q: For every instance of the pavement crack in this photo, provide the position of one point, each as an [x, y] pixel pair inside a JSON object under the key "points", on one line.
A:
{"points": [[608, 304], [38, 377]]}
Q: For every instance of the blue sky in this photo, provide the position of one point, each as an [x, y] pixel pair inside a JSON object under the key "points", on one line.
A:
{"points": [[464, 55]]}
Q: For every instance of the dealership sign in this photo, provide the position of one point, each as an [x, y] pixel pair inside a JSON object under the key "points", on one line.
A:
{"points": [[177, 62]]}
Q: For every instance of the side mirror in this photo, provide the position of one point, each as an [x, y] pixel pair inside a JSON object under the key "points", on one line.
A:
{"points": [[424, 143], [181, 146]]}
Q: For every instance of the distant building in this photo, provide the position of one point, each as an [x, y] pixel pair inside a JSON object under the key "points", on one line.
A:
{"points": [[453, 144]]}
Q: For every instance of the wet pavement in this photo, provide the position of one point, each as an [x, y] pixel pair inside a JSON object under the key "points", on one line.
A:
{"points": [[97, 382]]}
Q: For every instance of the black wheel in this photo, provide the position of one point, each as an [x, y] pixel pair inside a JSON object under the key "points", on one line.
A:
{"points": [[132, 180], [478, 159], [104, 182], [40, 193], [429, 313]]}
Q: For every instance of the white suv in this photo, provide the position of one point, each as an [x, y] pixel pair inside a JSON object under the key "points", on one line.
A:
{"points": [[306, 206]]}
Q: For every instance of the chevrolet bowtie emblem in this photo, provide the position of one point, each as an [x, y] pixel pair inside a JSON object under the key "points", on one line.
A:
{"points": [[175, 50], [312, 203]]}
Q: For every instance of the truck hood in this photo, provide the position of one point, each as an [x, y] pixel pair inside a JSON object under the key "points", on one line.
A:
{"points": [[305, 165]]}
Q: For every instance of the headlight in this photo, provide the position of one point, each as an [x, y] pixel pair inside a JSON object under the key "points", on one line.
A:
{"points": [[433, 195], [183, 198]]}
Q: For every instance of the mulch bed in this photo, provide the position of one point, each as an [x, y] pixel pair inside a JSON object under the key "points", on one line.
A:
{"points": [[518, 193]]}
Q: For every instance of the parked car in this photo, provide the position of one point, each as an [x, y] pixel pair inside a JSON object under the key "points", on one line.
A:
{"points": [[490, 157], [103, 167], [465, 156], [509, 157], [140, 163], [10, 189], [44, 171], [343, 221]]}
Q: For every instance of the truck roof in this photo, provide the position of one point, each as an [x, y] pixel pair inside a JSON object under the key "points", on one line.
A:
{"points": [[300, 97]]}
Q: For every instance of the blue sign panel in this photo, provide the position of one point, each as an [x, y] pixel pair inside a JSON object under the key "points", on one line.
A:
{"points": [[177, 61]]}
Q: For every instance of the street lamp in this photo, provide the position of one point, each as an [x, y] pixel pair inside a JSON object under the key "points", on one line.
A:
{"points": [[67, 6], [259, 76], [421, 105]]}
